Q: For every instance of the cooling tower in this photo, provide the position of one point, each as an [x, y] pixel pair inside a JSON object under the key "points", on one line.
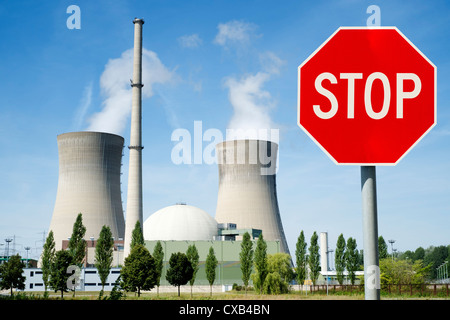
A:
{"points": [[89, 183], [247, 187]]}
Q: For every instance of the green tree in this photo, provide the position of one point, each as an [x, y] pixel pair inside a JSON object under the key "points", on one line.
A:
{"points": [[246, 259], [47, 258], [351, 259], [158, 255], [314, 258], [382, 248], [211, 264], [273, 283], [279, 273], [104, 254], [137, 236], [360, 260], [408, 254], [138, 272], [59, 275], [180, 270], [193, 257], [260, 263], [419, 272], [116, 292], [435, 257], [401, 271], [11, 274], [419, 254], [339, 258], [300, 257], [77, 244], [281, 262]]}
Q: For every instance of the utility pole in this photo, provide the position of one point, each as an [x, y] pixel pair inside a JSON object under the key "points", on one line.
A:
{"points": [[8, 240]]}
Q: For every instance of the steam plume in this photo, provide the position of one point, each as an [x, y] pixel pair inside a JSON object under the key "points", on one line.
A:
{"points": [[116, 89]]}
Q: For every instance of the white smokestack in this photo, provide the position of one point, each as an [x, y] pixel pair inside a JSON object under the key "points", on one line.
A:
{"points": [[324, 265]]}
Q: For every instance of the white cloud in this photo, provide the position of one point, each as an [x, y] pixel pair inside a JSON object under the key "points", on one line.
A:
{"points": [[270, 62], [115, 86], [234, 32], [190, 41]]}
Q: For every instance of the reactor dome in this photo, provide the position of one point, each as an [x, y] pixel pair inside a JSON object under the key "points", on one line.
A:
{"points": [[180, 222]]}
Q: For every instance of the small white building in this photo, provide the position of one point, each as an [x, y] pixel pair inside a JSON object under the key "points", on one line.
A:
{"points": [[89, 280]]}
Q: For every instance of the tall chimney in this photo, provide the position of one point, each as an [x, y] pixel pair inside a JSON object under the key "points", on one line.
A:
{"points": [[324, 264], [134, 195]]}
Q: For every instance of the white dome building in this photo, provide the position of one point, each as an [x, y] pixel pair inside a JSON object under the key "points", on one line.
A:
{"points": [[180, 222]]}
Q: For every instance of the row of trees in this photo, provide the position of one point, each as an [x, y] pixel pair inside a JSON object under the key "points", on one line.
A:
{"points": [[411, 267], [142, 270], [347, 258], [433, 256], [269, 273], [55, 264]]}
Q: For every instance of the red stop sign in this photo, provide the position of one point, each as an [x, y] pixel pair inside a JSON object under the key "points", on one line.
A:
{"points": [[366, 96]]}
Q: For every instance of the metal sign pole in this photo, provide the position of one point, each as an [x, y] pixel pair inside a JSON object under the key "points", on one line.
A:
{"points": [[370, 233]]}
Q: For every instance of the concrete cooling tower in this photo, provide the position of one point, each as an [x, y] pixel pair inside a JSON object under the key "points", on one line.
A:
{"points": [[247, 187], [89, 183]]}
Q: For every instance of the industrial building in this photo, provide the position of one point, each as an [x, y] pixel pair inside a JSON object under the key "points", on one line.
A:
{"points": [[228, 270], [89, 280], [181, 225], [180, 222], [90, 183]]}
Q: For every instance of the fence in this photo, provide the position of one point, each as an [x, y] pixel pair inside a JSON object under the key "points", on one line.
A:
{"points": [[434, 289]]}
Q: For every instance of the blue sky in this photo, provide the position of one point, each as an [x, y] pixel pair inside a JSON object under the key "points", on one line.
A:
{"points": [[205, 60]]}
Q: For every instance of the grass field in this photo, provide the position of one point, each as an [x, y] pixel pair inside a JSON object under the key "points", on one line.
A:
{"points": [[216, 295]]}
